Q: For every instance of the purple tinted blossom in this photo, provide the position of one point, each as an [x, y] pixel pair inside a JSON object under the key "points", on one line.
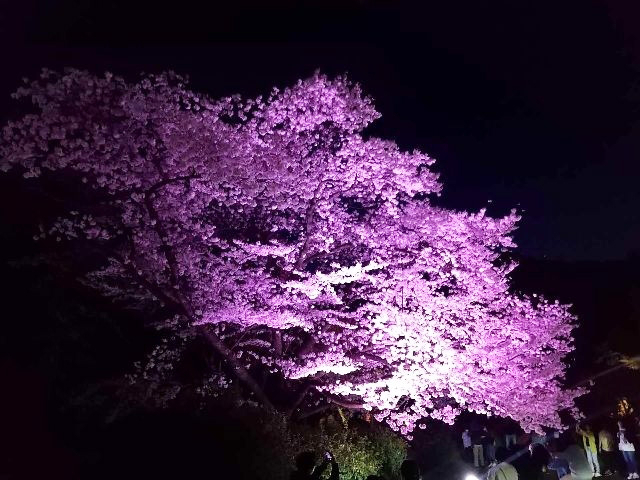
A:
{"points": [[307, 247]]}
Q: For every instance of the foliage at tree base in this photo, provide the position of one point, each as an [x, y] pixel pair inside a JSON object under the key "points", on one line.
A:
{"points": [[232, 438]]}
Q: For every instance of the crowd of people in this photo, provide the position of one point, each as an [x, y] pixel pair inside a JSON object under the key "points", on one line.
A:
{"points": [[481, 443], [507, 453], [601, 451], [497, 452]]}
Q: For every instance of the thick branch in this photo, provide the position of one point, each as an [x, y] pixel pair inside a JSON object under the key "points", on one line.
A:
{"points": [[277, 343], [168, 181], [313, 411], [153, 188], [307, 229], [166, 249], [367, 356], [345, 403], [240, 372], [331, 401], [168, 298]]}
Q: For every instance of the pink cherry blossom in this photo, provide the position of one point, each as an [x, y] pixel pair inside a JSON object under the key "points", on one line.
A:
{"points": [[292, 241]]}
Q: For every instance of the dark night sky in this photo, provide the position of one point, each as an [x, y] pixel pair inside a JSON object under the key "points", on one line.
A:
{"points": [[533, 105]]}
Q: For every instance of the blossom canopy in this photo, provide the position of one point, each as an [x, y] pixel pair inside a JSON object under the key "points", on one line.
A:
{"points": [[298, 244]]}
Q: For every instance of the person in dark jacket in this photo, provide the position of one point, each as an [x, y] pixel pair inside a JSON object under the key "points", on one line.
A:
{"points": [[306, 467], [488, 446], [477, 435], [511, 434], [410, 470], [538, 461]]}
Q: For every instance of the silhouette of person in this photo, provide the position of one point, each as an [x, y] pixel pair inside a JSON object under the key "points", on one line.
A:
{"points": [[410, 470], [306, 468]]}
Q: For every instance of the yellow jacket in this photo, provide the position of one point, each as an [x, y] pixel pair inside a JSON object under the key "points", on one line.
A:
{"points": [[589, 441]]}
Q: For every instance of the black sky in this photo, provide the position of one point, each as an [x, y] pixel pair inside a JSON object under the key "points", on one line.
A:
{"points": [[533, 105]]}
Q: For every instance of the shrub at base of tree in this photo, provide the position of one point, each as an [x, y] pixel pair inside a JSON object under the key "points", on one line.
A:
{"points": [[232, 438]]}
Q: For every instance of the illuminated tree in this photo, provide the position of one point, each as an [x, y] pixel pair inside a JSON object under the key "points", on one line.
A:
{"points": [[295, 245]]}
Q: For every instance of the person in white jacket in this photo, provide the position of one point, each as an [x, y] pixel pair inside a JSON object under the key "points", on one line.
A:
{"points": [[628, 452]]}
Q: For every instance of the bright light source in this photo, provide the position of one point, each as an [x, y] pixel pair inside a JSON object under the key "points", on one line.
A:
{"points": [[471, 476]]}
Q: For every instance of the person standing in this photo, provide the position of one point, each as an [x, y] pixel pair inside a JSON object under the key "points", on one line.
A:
{"points": [[628, 452], [476, 441], [539, 458], [466, 444], [590, 448], [606, 448], [488, 446], [510, 434]]}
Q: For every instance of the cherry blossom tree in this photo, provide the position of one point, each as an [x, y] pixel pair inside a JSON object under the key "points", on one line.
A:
{"points": [[296, 245]]}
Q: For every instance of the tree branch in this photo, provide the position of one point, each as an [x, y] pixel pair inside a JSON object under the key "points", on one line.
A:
{"points": [[154, 188], [296, 403], [313, 411], [277, 343], [344, 403], [166, 249], [307, 228], [331, 401], [240, 372], [318, 255]]}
